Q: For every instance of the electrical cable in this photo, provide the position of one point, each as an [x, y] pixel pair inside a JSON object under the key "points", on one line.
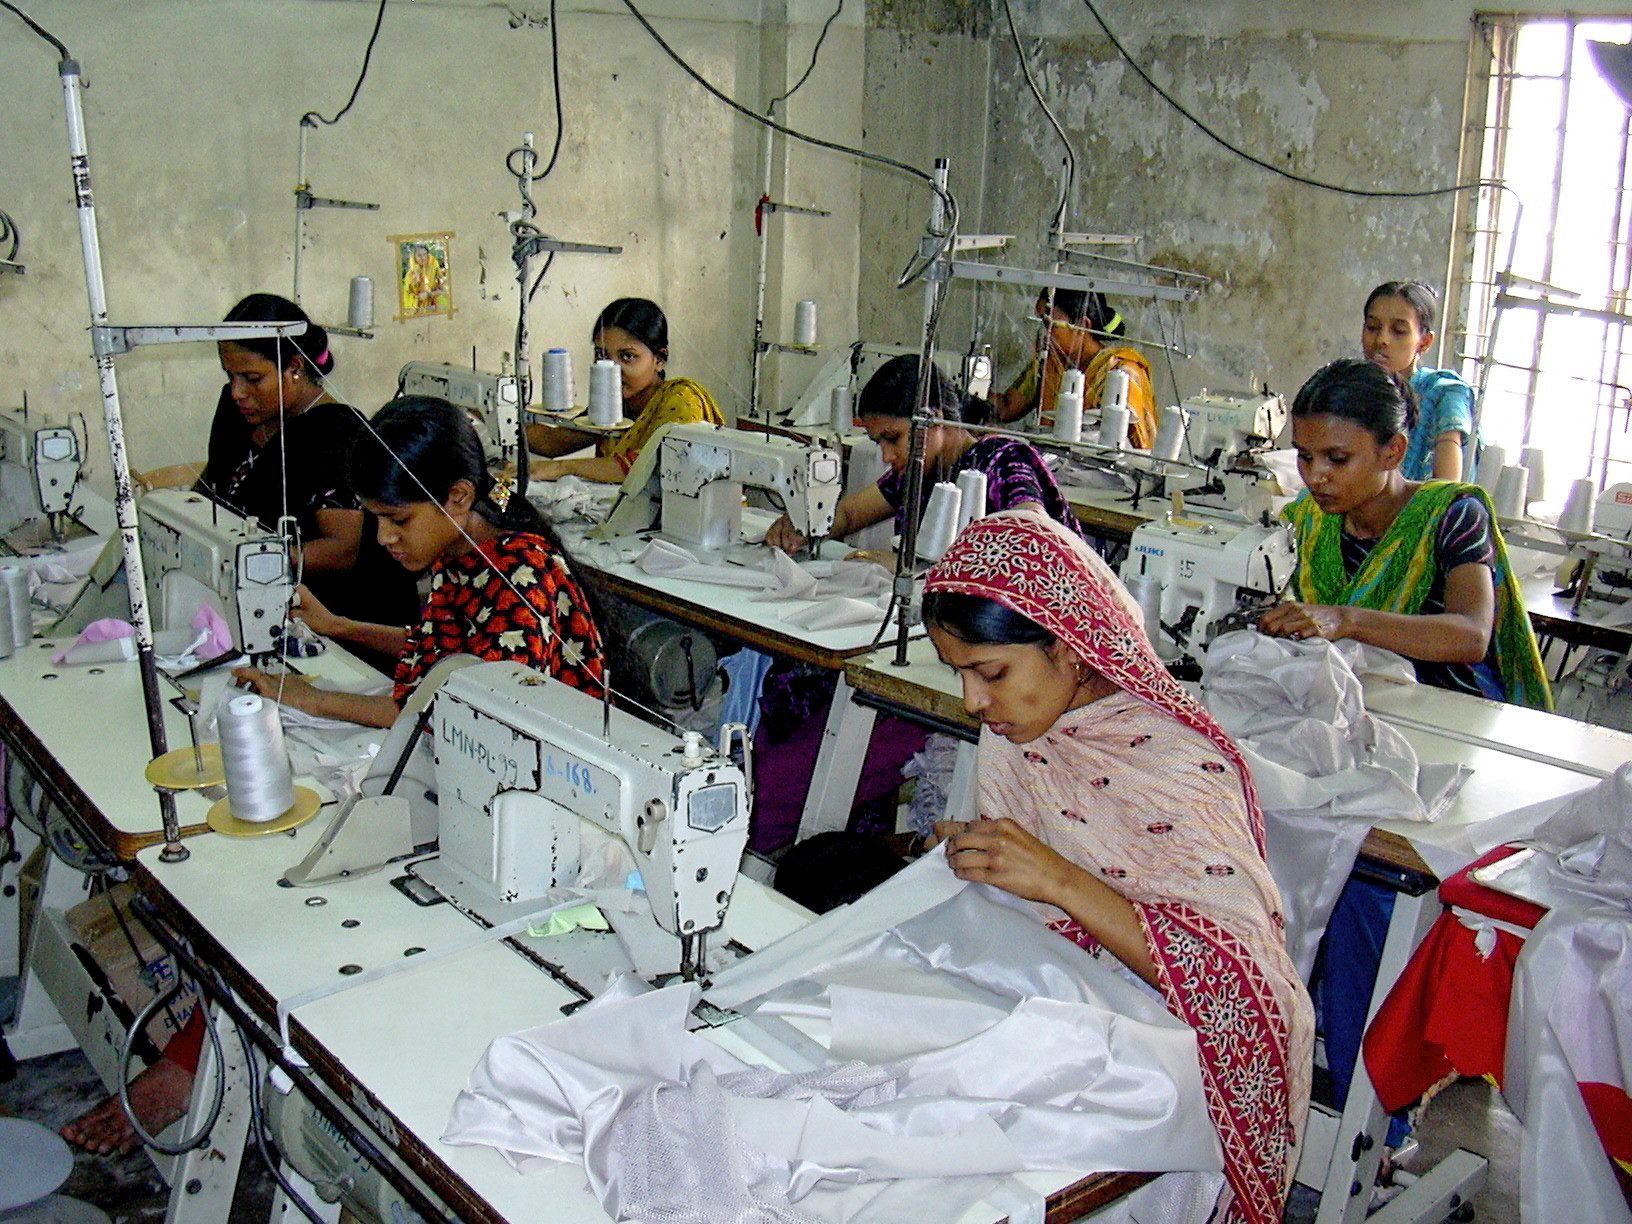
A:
{"points": [[128, 1045], [368, 54], [10, 233], [62, 51], [946, 197], [1070, 153], [811, 67], [1364, 193], [257, 1128], [560, 126]]}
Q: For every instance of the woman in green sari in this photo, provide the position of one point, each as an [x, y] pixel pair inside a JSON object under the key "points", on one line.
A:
{"points": [[1417, 567]]}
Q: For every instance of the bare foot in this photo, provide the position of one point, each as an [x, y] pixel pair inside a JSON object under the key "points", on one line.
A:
{"points": [[159, 1096]]}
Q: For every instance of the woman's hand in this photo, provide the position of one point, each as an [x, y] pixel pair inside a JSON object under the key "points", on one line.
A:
{"points": [[1298, 620], [1001, 853], [309, 611], [878, 556], [782, 535], [296, 692]]}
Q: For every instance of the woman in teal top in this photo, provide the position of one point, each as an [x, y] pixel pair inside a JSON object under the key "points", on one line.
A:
{"points": [[1398, 330]]}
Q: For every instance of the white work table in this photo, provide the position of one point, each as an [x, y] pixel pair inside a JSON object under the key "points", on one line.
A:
{"points": [[82, 728]]}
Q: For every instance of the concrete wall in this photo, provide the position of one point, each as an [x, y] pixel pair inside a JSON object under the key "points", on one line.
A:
{"points": [[1362, 96], [192, 114]]}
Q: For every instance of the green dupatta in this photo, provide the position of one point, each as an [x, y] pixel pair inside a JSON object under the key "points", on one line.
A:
{"points": [[1402, 565]]}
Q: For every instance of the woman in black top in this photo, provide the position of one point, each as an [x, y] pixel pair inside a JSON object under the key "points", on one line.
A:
{"points": [[279, 444]]}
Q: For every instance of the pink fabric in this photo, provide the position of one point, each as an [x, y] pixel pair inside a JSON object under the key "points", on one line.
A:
{"points": [[1144, 788]]}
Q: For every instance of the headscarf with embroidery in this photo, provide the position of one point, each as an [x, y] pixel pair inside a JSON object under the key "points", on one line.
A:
{"points": [[1144, 790]]}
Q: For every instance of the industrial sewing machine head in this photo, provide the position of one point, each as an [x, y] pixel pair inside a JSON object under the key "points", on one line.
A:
{"points": [[39, 473], [1215, 575], [195, 551], [699, 476], [530, 772], [495, 398], [1227, 431]]}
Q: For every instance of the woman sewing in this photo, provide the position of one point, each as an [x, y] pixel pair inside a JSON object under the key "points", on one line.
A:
{"points": [[634, 334], [1016, 476], [1111, 799], [500, 585], [1417, 568], [1082, 330], [278, 446]]}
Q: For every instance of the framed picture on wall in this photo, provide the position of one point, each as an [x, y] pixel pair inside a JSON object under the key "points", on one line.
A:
{"points": [[424, 275]]}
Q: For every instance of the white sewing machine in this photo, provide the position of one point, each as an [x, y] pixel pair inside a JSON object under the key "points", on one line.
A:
{"points": [[701, 471], [1227, 430], [496, 398], [39, 473], [530, 776], [195, 551], [1210, 571]]}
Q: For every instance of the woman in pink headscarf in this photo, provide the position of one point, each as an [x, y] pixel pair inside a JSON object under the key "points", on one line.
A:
{"points": [[1112, 800]]}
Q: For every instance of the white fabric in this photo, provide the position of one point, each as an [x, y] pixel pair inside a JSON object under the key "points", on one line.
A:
{"points": [[964, 1040], [571, 497], [1569, 1021], [1325, 769], [1590, 840]]}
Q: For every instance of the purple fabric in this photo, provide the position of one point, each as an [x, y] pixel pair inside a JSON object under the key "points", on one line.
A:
{"points": [[1015, 473]]}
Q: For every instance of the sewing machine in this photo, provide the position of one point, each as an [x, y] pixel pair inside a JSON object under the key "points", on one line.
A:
{"points": [[194, 550], [1227, 430], [1212, 573], [39, 474], [495, 398], [700, 473]]}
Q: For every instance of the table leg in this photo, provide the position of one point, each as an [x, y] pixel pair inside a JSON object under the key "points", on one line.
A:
{"points": [[203, 1180], [839, 763]]}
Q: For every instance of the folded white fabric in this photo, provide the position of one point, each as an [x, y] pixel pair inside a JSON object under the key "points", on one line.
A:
{"points": [[1325, 769], [835, 614], [965, 1040], [663, 559], [1590, 839], [569, 497]]}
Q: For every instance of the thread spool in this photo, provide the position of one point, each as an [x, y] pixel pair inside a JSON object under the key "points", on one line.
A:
{"points": [[971, 497], [19, 618], [1170, 437], [1533, 460], [1068, 416], [1116, 390], [1511, 492], [841, 412], [605, 398], [1492, 459], [556, 393], [1148, 593], [260, 782], [1073, 381], [1580, 507], [1113, 425], [360, 309], [804, 322], [940, 522], [7, 644]]}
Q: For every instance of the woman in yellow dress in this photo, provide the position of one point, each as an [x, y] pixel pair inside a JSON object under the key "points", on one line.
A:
{"points": [[633, 333], [1082, 328]]}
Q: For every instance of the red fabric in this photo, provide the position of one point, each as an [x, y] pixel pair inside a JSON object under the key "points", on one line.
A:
{"points": [[1038, 569], [184, 1048], [1448, 1011]]}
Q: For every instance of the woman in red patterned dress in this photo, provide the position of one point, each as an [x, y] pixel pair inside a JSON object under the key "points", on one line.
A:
{"points": [[1112, 800], [500, 586]]}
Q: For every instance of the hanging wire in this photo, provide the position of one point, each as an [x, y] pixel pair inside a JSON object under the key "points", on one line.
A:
{"points": [[948, 202], [811, 67], [62, 51], [368, 54], [1070, 154], [560, 125]]}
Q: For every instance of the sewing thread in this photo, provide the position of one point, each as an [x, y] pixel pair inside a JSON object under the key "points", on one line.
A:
{"points": [[556, 392], [19, 620], [260, 781]]}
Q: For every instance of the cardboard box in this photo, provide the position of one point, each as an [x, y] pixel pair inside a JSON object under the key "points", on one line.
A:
{"points": [[130, 976]]}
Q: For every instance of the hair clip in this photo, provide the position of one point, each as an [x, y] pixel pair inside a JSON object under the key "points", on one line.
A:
{"points": [[500, 493]]}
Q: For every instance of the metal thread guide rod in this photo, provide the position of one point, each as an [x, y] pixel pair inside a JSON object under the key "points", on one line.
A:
{"points": [[106, 342], [528, 244], [936, 247], [305, 201]]}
